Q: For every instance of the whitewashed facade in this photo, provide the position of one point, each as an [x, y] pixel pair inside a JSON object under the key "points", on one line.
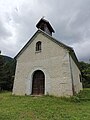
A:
{"points": [[57, 62]]}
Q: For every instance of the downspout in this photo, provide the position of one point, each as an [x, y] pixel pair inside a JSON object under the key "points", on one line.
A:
{"points": [[71, 75]]}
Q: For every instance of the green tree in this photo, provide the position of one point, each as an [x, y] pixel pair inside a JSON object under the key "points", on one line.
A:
{"points": [[85, 70], [7, 71], [1, 71]]}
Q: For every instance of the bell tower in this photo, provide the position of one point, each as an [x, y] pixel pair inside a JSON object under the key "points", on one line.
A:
{"points": [[45, 26]]}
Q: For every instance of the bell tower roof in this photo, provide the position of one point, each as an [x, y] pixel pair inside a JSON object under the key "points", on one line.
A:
{"points": [[45, 26]]}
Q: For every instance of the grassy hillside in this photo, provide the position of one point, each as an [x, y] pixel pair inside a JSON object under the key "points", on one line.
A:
{"points": [[45, 107]]}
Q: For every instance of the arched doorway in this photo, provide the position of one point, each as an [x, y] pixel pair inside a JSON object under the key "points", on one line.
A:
{"points": [[38, 83]]}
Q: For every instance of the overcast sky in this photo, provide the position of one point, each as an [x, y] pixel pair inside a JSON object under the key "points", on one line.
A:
{"points": [[69, 18]]}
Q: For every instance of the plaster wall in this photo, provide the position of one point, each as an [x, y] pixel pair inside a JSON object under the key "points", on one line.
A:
{"points": [[53, 60], [76, 76]]}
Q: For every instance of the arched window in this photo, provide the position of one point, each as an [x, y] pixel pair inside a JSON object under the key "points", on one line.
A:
{"points": [[38, 46]]}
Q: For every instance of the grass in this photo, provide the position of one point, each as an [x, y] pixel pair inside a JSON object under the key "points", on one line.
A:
{"points": [[45, 107]]}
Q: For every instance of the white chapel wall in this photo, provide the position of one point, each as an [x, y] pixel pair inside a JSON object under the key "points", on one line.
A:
{"points": [[53, 60], [76, 76]]}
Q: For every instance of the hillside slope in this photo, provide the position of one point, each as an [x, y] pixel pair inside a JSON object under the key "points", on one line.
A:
{"points": [[45, 107]]}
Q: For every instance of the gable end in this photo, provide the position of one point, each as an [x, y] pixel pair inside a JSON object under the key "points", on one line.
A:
{"points": [[70, 49]]}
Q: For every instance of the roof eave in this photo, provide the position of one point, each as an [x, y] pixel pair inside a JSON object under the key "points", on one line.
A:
{"points": [[27, 44]]}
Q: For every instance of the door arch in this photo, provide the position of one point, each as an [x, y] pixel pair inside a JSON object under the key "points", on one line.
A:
{"points": [[38, 83]]}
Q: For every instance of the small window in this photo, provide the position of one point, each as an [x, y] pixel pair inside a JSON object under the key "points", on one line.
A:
{"points": [[38, 46]]}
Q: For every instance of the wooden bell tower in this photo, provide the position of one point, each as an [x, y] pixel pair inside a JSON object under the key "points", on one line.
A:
{"points": [[45, 26]]}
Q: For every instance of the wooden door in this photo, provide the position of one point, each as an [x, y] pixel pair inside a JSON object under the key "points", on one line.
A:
{"points": [[38, 84]]}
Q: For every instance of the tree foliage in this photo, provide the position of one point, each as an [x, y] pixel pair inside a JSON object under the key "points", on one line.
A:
{"points": [[85, 70], [7, 71]]}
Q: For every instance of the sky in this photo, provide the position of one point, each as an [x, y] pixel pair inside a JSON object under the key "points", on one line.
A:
{"points": [[69, 18]]}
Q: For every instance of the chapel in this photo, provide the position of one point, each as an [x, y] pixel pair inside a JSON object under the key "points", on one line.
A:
{"points": [[46, 66]]}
